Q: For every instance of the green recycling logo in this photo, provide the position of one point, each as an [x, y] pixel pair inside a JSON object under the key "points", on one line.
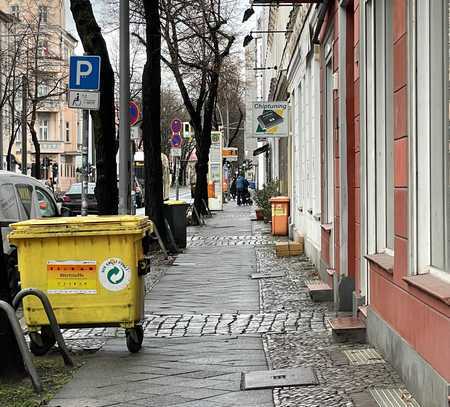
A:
{"points": [[114, 274]]}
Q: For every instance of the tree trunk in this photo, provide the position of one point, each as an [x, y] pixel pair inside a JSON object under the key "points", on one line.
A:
{"points": [[37, 146], [103, 121], [204, 145], [151, 89], [12, 139], [201, 169]]}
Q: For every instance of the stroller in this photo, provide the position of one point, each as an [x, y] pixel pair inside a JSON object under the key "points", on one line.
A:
{"points": [[246, 198]]}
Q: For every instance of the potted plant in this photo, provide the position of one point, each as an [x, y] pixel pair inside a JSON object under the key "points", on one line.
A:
{"points": [[262, 199]]}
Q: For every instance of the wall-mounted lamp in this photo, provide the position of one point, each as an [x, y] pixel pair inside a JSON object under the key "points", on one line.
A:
{"points": [[248, 13], [249, 37]]}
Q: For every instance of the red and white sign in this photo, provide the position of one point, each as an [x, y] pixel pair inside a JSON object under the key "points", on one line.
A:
{"points": [[135, 113]]}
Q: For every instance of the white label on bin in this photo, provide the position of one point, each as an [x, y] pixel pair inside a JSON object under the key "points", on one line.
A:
{"points": [[114, 274]]}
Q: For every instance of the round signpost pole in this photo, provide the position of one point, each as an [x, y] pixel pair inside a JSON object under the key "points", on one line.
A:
{"points": [[124, 127], [177, 142], [85, 164]]}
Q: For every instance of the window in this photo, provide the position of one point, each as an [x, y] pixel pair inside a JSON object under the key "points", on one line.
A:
{"points": [[43, 14], [47, 208], [42, 90], [9, 210], [378, 132], [43, 48], [25, 193], [15, 10], [329, 131], [43, 129], [67, 132], [429, 128]]}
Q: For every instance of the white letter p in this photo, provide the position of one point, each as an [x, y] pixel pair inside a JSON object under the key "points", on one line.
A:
{"points": [[83, 72]]}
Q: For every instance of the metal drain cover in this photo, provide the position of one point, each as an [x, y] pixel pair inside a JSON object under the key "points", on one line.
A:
{"points": [[266, 379], [358, 357], [275, 274], [394, 398]]}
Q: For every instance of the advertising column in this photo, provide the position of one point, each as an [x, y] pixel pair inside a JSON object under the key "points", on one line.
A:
{"points": [[215, 175]]}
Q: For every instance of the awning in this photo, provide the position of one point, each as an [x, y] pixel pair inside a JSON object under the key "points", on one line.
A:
{"points": [[264, 149]]}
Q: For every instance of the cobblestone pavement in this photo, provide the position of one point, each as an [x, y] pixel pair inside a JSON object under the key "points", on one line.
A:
{"points": [[206, 322], [312, 344]]}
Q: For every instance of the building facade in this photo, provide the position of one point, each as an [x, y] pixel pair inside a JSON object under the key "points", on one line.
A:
{"points": [[368, 167], [43, 47]]}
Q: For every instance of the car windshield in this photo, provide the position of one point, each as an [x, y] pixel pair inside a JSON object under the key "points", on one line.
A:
{"points": [[75, 189]]}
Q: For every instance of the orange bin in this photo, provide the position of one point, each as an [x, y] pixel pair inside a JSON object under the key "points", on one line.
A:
{"points": [[280, 215], [211, 189]]}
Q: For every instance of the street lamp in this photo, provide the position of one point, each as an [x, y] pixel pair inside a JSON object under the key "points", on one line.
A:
{"points": [[248, 13], [249, 37]]}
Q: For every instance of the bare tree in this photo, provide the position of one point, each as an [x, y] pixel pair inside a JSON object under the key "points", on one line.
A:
{"points": [[230, 101], [197, 46]]}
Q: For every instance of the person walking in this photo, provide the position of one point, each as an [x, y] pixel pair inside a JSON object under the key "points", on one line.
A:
{"points": [[233, 188], [241, 186]]}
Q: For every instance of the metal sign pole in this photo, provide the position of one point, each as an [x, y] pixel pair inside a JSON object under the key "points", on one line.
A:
{"points": [[85, 164], [24, 124], [124, 129], [178, 178]]}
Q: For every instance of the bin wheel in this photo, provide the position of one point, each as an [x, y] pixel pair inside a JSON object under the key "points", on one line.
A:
{"points": [[41, 343], [135, 337]]}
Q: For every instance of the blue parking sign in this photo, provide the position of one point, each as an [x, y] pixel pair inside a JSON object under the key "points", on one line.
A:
{"points": [[85, 73]]}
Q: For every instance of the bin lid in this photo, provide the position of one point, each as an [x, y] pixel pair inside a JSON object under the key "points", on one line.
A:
{"points": [[171, 202], [280, 199], [80, 225]]}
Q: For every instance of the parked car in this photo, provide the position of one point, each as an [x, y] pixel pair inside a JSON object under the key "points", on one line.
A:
{"points": [[72, 200], [21, 198]]}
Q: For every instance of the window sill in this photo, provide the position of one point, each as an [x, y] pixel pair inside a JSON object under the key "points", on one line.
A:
{"points": [[327, 227], [383, 261], [432, 285]]}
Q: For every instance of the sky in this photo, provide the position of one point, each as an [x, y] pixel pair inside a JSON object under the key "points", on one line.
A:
{"points": [[112, 37]]}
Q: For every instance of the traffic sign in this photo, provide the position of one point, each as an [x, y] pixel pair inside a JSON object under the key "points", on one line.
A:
{"points": [[176, 126], [84, 100], [84, 72], [177, 140], [135, 113], [175, 152]]}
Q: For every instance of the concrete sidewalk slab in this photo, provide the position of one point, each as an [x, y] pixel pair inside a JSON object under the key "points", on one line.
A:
{"points": [[210, 284]]}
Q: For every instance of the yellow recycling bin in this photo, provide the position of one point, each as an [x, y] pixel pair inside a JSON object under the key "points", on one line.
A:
{"points": [[92, 270]]}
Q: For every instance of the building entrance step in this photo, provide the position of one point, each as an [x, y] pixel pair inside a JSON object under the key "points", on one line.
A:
{"points": [[319, 291], [362, 312], [348, 329]]}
